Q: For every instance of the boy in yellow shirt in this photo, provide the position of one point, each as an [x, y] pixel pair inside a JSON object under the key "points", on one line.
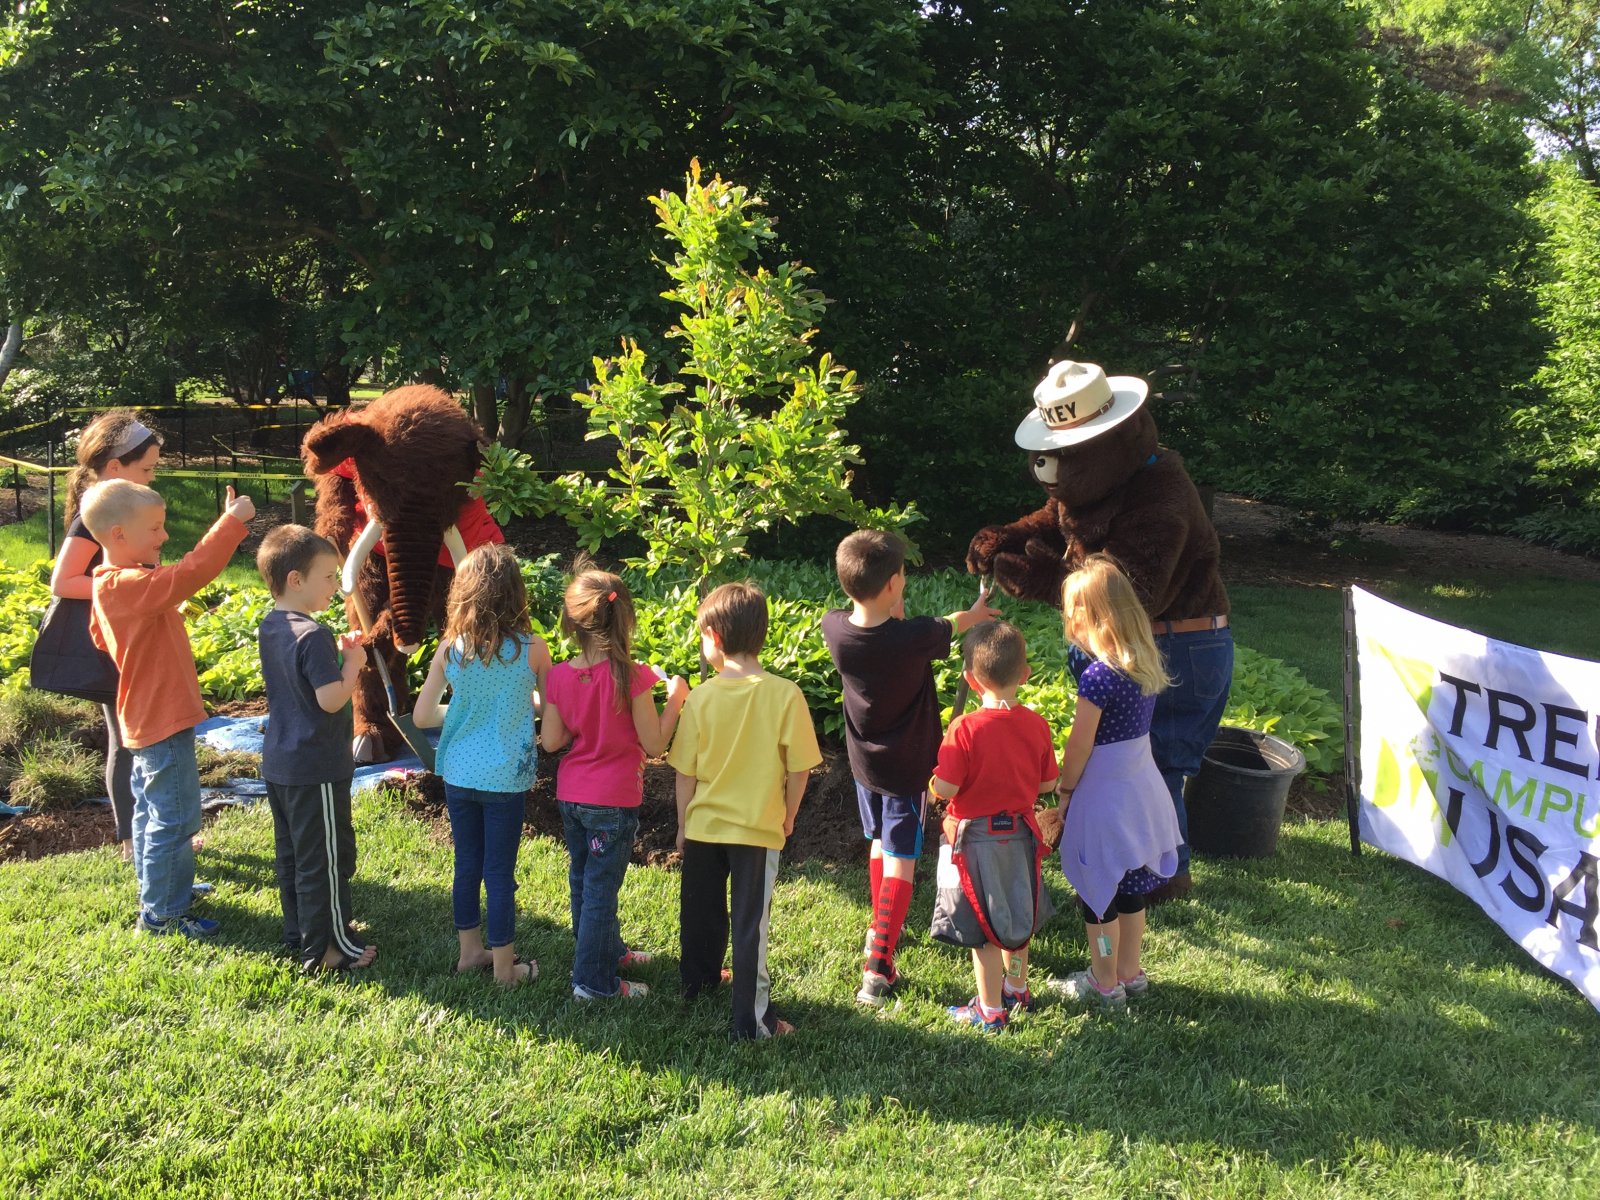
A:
{"points": [[744, 748]]}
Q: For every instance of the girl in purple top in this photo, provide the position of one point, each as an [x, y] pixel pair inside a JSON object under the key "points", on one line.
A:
{"points": [[600, 701], [1119, 837]]}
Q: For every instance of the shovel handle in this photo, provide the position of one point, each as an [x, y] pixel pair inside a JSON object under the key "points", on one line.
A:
{"points": [[364, 619]]}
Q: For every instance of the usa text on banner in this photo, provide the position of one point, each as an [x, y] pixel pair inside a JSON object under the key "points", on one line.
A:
{"points": [[1479, 763]]}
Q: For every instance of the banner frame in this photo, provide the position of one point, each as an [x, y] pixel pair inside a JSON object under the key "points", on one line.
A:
{"points": [[1352, 759]]}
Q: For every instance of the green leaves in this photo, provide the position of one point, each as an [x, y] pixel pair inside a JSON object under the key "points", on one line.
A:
{"points": [[749, 435]]}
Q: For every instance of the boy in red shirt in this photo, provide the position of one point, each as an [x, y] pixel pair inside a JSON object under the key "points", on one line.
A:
{"points": [[993, 764], [136, 619]]}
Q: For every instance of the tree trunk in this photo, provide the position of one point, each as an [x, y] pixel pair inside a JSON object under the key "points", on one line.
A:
{"points": [[519, 406], [8, 351], [485, 411]]}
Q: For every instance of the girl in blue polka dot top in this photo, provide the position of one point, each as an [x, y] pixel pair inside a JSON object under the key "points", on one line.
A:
{"points": [[1119, 837]]}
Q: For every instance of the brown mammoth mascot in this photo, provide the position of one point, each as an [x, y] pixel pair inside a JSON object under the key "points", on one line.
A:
{"points": [[401, 464], [1111, 488]]}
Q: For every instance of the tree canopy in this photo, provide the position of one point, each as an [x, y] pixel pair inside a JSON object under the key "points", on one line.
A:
{"points": [[1323, 251]]}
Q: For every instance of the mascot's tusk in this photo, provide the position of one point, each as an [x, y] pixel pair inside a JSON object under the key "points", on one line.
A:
{"points": [[455, 544], [360, 551]]}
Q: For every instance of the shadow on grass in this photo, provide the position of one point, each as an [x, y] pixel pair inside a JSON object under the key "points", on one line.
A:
{"points": [[1288, 1019]]}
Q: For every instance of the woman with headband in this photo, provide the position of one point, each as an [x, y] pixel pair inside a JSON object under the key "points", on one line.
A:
{"points": [[115, 445]]}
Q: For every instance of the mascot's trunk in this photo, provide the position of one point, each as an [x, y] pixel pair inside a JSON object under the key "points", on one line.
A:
{"points": [[359, 553]]}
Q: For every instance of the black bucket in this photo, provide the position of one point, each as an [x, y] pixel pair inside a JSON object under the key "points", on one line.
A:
{"points": [[1236, 799]]}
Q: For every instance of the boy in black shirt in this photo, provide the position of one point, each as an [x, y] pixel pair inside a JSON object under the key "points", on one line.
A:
{"points": [[307, 762], [891, 719]]}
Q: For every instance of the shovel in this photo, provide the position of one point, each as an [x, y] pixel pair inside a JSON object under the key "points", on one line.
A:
{"points": [[959, 705], [409, 730]]}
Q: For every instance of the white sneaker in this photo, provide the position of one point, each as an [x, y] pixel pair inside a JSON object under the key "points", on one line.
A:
{"points": [[1138, 985], [628, 991], [1080, 986]]}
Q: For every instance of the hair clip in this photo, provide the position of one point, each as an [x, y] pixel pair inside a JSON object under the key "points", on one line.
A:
{"points": [[611, 596]]}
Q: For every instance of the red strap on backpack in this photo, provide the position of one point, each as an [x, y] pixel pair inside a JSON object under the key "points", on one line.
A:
{"points": [[959, 859]]}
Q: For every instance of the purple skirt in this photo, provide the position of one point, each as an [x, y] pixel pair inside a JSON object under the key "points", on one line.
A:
{"points": [[1120, 820]]}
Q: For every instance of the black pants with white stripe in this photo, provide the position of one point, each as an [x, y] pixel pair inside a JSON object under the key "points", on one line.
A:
{"points": [[316, 856], [714, 873]]}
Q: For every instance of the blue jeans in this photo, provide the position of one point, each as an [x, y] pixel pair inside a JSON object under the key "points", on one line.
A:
{"points": [[487, 830], [1188, 712], [166, 814], [599, 845]]}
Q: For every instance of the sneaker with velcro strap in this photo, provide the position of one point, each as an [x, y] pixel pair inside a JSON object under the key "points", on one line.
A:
{"points": [[190, 927]]}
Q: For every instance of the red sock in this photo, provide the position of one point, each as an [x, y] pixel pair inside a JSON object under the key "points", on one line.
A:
{"points": [[874, 879], [894, 901]]}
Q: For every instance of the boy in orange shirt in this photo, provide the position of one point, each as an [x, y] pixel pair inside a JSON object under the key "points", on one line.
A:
{"points": [[136, 620]]}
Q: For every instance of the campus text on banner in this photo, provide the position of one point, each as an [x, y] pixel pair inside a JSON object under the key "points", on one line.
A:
{"points": [[1478, 763]]}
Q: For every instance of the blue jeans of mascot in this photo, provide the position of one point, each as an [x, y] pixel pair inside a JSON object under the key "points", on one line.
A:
{"points": [[1188, 712]]}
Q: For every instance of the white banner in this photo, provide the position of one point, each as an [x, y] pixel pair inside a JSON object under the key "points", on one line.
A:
{"points": [[1478, 763]]}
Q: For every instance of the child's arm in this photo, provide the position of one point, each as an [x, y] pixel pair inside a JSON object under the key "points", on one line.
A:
{"points": [[70, 576], [655, 729], [169, 587], [1079, 744], [331, 697], [542, 666], [976, 615], [685, 788], [794, 790], [428, 712], [553, 731]]}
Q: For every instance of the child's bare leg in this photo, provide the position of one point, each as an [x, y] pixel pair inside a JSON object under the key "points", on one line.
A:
{"points": [[988, 965], [510, 972], [473, 956], [1016, 969], [1103, 941], [1129, 942]]}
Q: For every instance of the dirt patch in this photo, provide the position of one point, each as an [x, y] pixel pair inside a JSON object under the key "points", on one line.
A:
{"points": [[1318, 798], [63, 831], [1259, 546]]}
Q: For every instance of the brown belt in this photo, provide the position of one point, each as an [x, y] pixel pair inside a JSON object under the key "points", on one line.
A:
{"points": [[1191, 625]]}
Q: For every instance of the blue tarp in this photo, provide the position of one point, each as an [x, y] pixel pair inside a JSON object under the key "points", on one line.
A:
{"points": [[247, 733]]}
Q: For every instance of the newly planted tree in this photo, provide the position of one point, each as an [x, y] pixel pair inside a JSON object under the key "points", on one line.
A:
{"points": [[744, 433]]}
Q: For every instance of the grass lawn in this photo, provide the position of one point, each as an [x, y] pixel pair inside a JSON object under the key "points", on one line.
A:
{"points": [[1302, 625], [1319, 1025]]}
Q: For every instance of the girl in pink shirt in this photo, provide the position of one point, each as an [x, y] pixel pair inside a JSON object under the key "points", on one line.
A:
{"points": [[600, 701]]}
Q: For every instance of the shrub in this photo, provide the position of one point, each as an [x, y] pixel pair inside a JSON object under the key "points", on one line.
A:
{"points": [[55, 774], [1268, 694], [27, 715], [218, 767], [24, 595]]}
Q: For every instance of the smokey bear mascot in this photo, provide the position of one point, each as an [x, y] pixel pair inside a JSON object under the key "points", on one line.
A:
{"points": [[1111, 488]]}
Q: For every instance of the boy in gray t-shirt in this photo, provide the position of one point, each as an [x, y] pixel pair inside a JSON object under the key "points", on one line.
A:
{"points": [[306, 761]]}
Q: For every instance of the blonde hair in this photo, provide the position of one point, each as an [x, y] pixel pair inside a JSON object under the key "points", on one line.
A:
{"points": [[98, 442], [487, 605], [1101, 611], [113, 502], [598, 612]]}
